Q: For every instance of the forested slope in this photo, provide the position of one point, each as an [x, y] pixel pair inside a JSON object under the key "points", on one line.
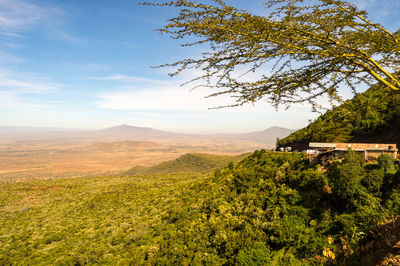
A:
{"points": [[274, 209], [372, 116], [190, 162], [267, 209]]}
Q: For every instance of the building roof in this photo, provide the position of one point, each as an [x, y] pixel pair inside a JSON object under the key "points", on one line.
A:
{"points": [[354, 146], [386, 150], [322, 145], [364, 146]]}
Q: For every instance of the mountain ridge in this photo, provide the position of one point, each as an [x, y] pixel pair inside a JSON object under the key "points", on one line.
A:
{"points": [[127, 132]]}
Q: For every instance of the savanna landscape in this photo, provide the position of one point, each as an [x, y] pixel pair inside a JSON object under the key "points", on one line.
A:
{"points": [[46, 155], [80, 194]]}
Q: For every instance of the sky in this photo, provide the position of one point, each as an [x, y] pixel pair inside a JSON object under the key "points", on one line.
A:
{"points": [[88, 65]]}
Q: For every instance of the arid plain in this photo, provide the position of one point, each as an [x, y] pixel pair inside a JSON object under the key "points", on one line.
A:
{"points": [[55, 156]]}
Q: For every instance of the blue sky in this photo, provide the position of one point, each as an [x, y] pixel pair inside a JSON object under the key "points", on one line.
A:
{"points": [[86, 65]]}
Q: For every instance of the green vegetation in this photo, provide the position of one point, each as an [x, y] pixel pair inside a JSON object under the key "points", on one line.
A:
{"points": [[103, 220], [269, 208], [190, 162], [369, 116], [275, 208]]}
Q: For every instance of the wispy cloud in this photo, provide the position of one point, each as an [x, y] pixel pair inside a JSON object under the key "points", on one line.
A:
{"points": [[168, 98], [10, 34], [9, 58], [18, 84], [55, 32], [8, 100], [176, 107], [17, 91], [124, 78], [171, 98], [18, 15], [169, 95]]}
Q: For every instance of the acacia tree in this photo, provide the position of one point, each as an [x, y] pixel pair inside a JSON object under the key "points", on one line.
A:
{"points": [[312, 47]]}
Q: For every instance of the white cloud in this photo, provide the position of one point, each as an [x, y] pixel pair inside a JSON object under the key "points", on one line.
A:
{"points": [[9, 100], [56, 33], [178, 109], [18, 84], [190, 108], [123, 78], [17, 92], [11, 34], [167, 98], [18, 15], [174, 99], [139, 94], [9, 58]]}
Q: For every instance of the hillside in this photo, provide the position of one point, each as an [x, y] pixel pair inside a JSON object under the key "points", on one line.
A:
{"points": [[80, 221], [372, 116], [191, 162], [267, 209]]}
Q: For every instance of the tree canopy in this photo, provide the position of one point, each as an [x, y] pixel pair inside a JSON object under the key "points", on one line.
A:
{"points": [[305, 48]]}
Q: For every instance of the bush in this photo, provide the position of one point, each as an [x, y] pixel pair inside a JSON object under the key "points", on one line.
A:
{"points": [[387, 163], [373, 181]]}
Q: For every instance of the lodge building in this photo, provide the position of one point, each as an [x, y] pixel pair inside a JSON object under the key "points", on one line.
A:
{"points": [[371, 151]]}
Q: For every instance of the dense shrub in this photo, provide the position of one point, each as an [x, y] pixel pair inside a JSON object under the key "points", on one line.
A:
{"points": [[267, 209], [271, 206]]}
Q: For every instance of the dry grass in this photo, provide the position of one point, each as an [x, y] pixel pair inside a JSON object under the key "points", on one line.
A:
{"points": [[24, 161]]}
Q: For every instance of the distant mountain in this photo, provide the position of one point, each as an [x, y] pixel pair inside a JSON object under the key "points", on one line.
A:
{"points": [[126, 132], [132, 132], [268, 136], [372, 116]]}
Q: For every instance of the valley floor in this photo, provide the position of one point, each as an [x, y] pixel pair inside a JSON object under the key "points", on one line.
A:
{"points": [[40, 160]]}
